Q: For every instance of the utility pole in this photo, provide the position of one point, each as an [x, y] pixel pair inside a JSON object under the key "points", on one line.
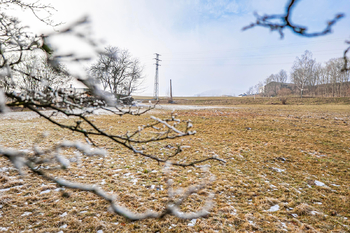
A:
{"points": [[156, 80], [171, 93]]}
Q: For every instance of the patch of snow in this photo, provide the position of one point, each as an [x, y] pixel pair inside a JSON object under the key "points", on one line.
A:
{"points": [[63, 215], [64, 226], [319, 183], [4, 228], [5, 169], [59, 189], [100, 231], [318, 203], [82, 212], [7, 189], [295, 215], [314, 212], [277, 169], [25, 150], [26, 213], [127, 174], [134, 181], [274, 208], [192, 222], [335, 185], [46, 191]]}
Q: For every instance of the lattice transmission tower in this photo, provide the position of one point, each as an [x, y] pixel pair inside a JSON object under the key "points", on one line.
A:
{"points": [[156, 80]]}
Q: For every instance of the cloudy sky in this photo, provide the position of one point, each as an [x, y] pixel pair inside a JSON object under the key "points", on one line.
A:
{"points": [[202, 47]]}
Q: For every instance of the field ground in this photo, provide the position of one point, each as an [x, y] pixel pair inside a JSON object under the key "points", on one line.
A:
{"points": [[287, 170], [250, 100]]}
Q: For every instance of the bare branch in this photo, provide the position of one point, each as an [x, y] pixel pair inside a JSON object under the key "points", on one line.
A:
{"points": [[267, 21], [21, 159]]}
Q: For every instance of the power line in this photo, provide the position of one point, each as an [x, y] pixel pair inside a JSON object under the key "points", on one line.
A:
{"points": [[257, 47]]}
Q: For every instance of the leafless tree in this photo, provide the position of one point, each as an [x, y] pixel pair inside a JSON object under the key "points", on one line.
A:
{"points": [[15, 44], [258, 87], [312, 78], [315, 80], [250, 90], [303, 71], [282, 76], [45, 74], [117, 71], [271, 85], [336, 77]]}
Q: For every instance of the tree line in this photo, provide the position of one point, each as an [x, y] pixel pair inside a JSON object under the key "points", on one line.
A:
{"points": [[307, 78], [115, 70]]}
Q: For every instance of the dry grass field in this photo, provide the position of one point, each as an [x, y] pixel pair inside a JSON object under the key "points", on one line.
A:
{"points": [[287, 170], [250, 100]]}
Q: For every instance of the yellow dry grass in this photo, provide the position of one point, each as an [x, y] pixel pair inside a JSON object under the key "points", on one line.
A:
{"points": [[287, 170]]}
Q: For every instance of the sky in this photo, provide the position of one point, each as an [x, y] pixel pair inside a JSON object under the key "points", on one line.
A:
{"points": [[201, 45]]}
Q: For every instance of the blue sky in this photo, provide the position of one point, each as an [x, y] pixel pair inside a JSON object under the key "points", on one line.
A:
{"points": [[202, 47]]}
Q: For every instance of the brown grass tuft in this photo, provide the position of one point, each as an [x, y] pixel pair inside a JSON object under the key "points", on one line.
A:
{"points": [[303, 209]]}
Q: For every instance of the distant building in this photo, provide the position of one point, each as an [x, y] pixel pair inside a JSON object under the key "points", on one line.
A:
{"points": [[261, 89], [74, 90], [272, 88]]}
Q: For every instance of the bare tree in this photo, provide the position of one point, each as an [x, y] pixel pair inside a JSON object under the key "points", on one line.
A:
{"points": [[250, 90], [315, 81], [282, 76], [271, 85], [335, 75], [303, 71], [117, 71], [15, 43], [258, 87], [46, 75]]}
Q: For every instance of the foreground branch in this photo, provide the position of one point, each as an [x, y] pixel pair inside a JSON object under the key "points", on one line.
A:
{"points": [[21, 160]]}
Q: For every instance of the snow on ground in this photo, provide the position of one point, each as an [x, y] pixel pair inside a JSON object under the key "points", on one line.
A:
{"points": [[274, 208], [28, 115], [182, 107]]}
